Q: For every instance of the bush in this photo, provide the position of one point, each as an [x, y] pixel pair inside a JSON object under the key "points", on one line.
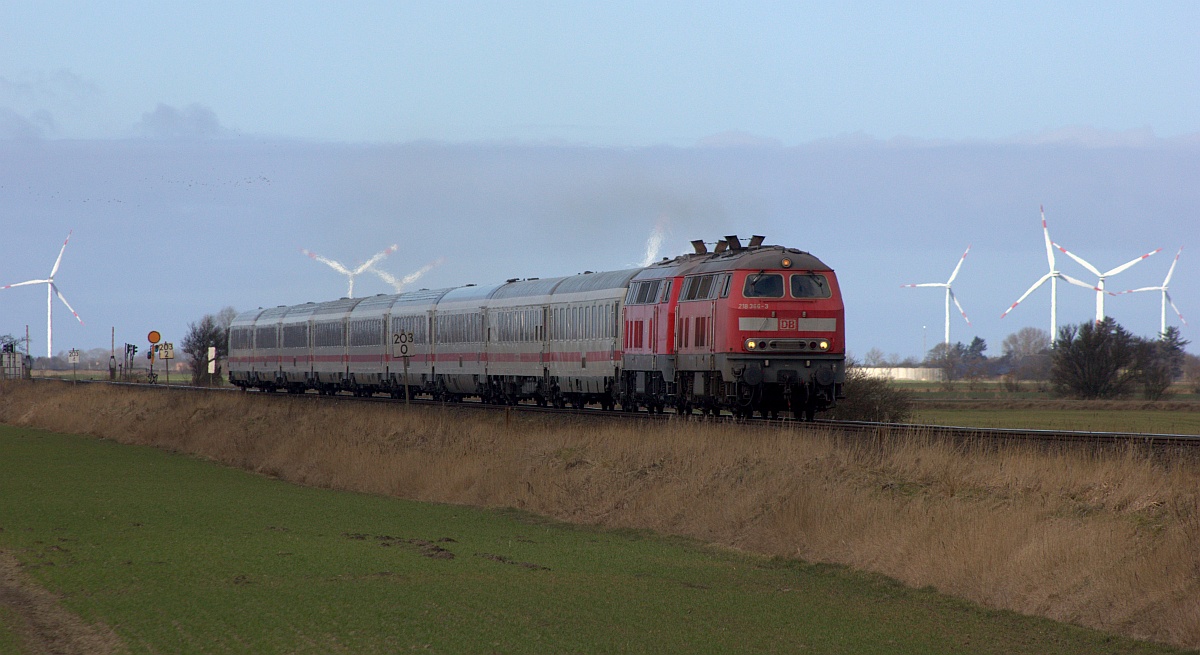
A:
{"points": [[872, 399]]}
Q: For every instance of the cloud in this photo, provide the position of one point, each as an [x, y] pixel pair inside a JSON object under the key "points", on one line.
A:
{"points": [[56, 88], [1090, 137], [737, 139], [195, 121], [14, 126], [47, 104]]}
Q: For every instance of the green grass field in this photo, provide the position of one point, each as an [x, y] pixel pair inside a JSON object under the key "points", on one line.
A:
{"points": [[181, 555]]}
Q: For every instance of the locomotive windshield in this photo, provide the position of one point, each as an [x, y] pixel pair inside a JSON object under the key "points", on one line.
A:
{"points": [[810, 286], [763, 285]]}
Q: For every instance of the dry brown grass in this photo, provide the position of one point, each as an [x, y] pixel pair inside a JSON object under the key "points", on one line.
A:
{"points": [[1108, 540]]}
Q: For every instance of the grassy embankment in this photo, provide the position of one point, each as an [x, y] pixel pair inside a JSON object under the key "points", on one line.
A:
{"points": [[173, 554], [1108, 540]]}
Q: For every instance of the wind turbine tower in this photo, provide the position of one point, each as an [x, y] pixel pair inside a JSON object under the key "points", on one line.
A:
{"points": [[51, 291], [949, 293]]}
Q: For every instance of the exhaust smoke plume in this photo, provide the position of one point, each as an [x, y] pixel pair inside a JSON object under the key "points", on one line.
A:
{"points": [[654, 242]]}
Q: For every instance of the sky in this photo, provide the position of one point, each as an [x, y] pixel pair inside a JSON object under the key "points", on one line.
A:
{"points": [[194, 151]]}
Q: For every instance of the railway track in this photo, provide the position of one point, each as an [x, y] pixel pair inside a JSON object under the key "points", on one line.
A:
{"points": [[864, 429]]}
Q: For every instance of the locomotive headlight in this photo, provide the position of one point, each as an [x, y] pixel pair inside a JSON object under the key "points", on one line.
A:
{"points": [[824, 344], [786, 263], [750, 345]]}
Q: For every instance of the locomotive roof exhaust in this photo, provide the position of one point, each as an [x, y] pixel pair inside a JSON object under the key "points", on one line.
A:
{"points": [[730, 242]]}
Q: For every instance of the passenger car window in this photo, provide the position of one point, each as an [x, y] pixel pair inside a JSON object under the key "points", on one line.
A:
{"points": [[810, 286], [763, 285]]}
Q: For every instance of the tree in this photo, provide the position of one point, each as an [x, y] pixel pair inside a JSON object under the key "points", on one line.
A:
{"points": [[948, 358], [1160, 362], [957, 360], [1094, 360], [974, 362], [225, 317], [1026, 342], [875, 358], [1028, 353], [202, 335], [1191, 371], [6, 339]]}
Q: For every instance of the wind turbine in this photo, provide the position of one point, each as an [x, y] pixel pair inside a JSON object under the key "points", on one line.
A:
{"points": [[1100, 285], [1166, 297], [399, 285], [1053, 276], [51, 291], [351, 274], [949, 293]]}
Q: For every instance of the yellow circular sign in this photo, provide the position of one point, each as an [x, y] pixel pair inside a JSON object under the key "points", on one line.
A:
{"points": [[154, 336]]}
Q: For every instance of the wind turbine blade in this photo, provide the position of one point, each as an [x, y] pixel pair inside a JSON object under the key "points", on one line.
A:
{"points": [[21, 284], [399, 285], [1037, 284], [328, 262], [1078, 259], [1135, 291], [387, 277], [376, 258], [60, 255], [1046, 234], [416, 275], [960, 309], [1177, 312], [1131, 263], [1171, 271], [1077, 283], [64, 301], [926, 284], [960, 263]]}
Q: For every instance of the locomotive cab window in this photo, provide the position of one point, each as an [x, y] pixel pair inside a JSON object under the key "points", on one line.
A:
{"points": [[810, 286], [763, 285]]}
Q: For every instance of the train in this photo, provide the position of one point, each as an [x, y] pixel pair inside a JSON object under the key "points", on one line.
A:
{"points": [[749, 329]]}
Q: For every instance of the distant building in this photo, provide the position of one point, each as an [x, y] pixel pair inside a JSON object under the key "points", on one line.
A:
{"points": [[914, 374]]}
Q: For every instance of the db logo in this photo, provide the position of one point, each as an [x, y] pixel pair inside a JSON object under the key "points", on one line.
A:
{"points": [[787, 324]]}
